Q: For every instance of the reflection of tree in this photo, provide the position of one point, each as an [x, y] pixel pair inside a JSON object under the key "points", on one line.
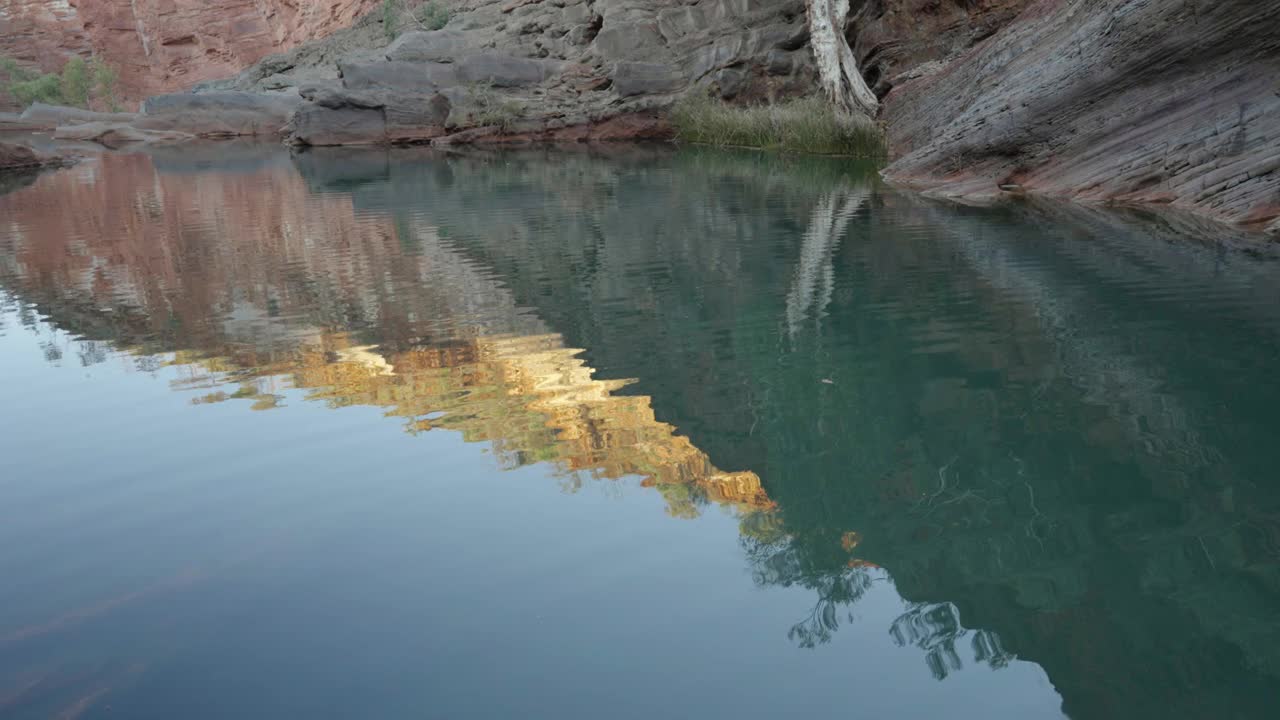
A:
{"points": [[836, 595], [814, 276], [777, 559], [935, 628], [971, 405]]}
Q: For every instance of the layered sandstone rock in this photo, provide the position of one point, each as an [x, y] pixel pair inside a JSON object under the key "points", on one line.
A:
{"points": [[1147, 101]]}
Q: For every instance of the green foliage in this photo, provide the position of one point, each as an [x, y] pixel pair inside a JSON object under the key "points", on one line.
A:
{"points": [[79, 84], [808, 125], [74, 83], [492, 110], [105, 78], [44, 88], [391, 18], [432, 16], [398, 15], [11, 72]]}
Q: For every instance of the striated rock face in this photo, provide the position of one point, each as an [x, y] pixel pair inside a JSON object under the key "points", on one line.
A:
{"points": [[164, 45], [1148, 101], [897, 40]]}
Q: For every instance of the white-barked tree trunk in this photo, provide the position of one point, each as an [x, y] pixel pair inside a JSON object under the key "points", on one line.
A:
{"points": [[837, 68]]}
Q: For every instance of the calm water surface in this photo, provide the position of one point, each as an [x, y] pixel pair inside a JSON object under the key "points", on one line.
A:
{"points": [[626, 434]]}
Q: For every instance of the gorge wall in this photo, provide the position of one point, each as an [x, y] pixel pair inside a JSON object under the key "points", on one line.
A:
{"points": [[165, 45], [1171, 102]]}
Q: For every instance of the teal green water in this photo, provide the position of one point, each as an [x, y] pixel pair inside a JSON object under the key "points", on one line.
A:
{"points": [[630, 432]]}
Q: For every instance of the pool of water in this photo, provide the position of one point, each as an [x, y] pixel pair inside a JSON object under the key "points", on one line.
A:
{"points": [[626, 433]]}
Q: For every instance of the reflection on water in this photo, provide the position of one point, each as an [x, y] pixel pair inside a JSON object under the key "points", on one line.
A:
{"points": [[1046, 429]]}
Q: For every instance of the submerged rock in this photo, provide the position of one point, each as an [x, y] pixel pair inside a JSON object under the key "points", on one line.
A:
{"points": [[116, 135], [48, 117], [218, 114], [15, 157]]}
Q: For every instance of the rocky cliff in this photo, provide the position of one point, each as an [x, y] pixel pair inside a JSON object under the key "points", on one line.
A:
{"points": [[165, 45], [1172, 102], [535, 69]]}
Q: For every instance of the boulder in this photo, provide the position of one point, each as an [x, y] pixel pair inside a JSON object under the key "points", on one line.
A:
{"points": [[318, 125], [218, 114], [415, 119], [17, 158], [339, 116], [115, 135], [13, 122], [48, 117]]}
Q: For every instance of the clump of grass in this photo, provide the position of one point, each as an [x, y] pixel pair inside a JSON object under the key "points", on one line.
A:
{"points": [[401, 15], [432, 16], [491, 109], [806, 125]]}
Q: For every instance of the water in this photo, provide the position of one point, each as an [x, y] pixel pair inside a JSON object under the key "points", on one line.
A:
{"points": [[627, 433]]}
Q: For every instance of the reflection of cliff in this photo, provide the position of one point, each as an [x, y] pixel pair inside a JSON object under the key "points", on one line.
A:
{"points": [[1066, 446], [529, 396], [1029, 431], [439, 342]]}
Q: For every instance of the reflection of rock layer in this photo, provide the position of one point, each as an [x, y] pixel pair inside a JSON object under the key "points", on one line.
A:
{"points": [[969, 430], [447, 338], [1011, 449]]}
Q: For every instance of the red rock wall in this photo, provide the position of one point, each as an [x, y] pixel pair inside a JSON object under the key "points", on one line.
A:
{"points": [[41, 33], [165, 45]]}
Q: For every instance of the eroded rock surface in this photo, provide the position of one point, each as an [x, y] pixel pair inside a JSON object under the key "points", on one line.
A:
{"points": [[1129, 101], [549, 69]]}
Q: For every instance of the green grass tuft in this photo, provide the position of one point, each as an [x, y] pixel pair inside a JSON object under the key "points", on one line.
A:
{"points": [[403, 15], [806, 125]]}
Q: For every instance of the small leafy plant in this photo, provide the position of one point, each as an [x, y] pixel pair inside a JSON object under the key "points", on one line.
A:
{"points": [[492, 110], [80, 84], [401, 15]]}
